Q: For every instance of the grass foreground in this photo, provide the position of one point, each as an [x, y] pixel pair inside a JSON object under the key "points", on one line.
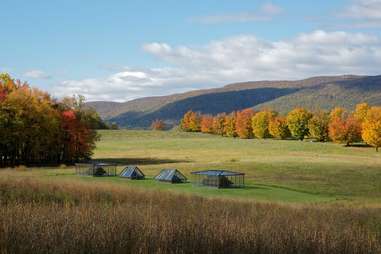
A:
{"points": [[301, 197], [73, 217]]}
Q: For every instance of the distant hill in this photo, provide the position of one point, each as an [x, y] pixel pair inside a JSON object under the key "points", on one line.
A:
{"points": [[313, 93]]}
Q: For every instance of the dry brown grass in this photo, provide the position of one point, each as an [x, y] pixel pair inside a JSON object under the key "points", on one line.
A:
{"points": [[41, 217]]}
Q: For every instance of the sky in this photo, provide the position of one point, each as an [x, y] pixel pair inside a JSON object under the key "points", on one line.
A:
{"points": [[121, 50]]}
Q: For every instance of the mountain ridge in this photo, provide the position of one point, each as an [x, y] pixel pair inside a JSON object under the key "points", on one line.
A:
{"points": [[322, 92]]}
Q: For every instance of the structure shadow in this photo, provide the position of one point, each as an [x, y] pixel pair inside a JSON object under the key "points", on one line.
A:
{"points": [[361, 145], [140, 161]]}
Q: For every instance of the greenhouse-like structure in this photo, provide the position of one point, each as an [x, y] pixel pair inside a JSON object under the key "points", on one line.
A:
{"points": [[96, 169], [132, 172], [219, 178], [171, 175]]}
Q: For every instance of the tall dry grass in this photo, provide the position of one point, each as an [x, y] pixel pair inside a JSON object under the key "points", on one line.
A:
{"points": [[41, 217]]}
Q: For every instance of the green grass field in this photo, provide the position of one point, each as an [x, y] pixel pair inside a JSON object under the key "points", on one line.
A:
{"points": [[280, 171]]}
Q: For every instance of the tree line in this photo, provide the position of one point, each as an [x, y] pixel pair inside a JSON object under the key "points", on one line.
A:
{"points": [[337, 125], [36, 129]]}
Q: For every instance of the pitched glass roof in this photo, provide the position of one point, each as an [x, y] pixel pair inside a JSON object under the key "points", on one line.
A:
{"points": [[130, 170], [169, 174]]}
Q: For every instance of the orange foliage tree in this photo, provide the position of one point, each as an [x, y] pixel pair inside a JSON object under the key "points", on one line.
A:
{"points": [[243, 123], [158, 125], [207, 124], [278, 127], [343, 127]]}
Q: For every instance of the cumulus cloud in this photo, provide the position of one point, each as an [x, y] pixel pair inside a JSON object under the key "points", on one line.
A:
{"points": [[265, 13], [129, 84], [240, 58], [36, 74]]}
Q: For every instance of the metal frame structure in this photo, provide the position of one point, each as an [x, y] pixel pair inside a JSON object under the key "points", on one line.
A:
{"points": [[219, 178], [132, 172], [95, 169]]}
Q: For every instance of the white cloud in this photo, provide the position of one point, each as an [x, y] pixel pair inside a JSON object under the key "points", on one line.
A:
{"points": [[36, 74], [363, 13], [265, 13], [240, 58], [364, 9]]}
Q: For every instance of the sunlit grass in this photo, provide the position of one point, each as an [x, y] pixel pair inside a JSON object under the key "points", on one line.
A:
{"points": [[289, 171]]}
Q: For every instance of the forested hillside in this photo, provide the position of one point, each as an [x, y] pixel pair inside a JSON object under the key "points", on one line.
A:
{"points": [[313, 93]]}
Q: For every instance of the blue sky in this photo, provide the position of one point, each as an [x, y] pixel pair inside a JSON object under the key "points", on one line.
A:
{"points": [[120, 50]]}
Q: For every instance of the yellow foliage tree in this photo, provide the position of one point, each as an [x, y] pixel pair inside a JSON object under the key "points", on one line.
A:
{"points": [[260, 123], [371, 127], [229, 125], [297, 121], [278, 127], [337, 112], [318, 126], [361, 112]]}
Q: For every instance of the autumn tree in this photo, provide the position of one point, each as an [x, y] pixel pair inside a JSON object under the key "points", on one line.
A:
{"points": [[318, 126], [343, 127], [278, 127], [185, 121], [76, 123], [207, 124], [158, 125], [297, 121], [260, 124], [33, 127], [371, 127], [229, 125], [361, 112], [243, 123], [191, 122], [218, 124], [337, 112]]}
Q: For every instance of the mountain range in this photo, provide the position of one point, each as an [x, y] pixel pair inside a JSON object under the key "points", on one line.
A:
{"points": [[314, 93]]}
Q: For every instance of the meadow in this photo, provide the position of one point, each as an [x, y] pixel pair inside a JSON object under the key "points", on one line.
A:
{"points": [[300, 197], [276, 170]]}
